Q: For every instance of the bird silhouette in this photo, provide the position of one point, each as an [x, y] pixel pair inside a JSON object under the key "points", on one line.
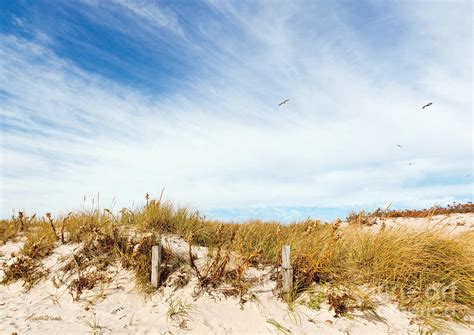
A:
{"points": [[283, 102], [427, 105], [398, 145], [411, 163]]}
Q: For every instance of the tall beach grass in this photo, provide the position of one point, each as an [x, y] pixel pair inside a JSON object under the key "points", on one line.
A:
{"points": [[422, 270]]}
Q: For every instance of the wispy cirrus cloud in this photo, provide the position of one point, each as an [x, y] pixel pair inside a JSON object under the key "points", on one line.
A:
{"points": [[88, 119]]}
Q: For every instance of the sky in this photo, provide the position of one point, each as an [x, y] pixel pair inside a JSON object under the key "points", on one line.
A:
{"points": [[114, 99]]}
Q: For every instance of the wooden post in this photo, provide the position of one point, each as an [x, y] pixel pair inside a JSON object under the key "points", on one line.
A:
{"points": [[287, 271], [155, 264]]}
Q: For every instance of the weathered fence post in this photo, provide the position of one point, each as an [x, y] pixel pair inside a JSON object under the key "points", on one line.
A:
{"points": [[155, 264], [287, 271]]}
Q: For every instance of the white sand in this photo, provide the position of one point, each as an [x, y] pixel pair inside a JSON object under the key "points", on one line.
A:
{"points": [[118, 308], [448, 224]]}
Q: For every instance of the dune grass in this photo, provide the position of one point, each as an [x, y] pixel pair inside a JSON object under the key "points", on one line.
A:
{"points": [[455, 207], [427, 272]]}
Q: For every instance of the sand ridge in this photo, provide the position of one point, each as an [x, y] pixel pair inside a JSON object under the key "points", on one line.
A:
{"points": [[117, 307]]}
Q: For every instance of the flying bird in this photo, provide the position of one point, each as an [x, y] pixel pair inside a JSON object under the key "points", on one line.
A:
{"points": [[411, 163], [283, 102], [427, 105], [398, 145]]}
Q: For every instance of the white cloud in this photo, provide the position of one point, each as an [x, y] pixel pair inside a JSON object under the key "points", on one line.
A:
{"points": [[222, 142], [152, 14]]}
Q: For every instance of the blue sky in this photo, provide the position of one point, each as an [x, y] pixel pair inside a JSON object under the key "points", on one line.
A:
{"points": [[124, 98]]}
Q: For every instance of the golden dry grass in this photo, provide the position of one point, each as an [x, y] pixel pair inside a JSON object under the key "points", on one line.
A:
{"points": [[423, 270]]}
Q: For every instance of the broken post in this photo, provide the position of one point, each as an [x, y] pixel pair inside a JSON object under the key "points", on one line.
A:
{"points": [[155, 264], [287, 271]]}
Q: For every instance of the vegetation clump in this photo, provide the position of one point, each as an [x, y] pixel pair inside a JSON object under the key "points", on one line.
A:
{"points": [[434, 210], [26, 268]]}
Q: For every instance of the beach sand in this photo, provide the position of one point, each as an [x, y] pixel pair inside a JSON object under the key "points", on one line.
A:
{"points": [[118, 307]]}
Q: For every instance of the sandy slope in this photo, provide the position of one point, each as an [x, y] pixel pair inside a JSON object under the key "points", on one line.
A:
{"points": [[118, 308], [449, 224]]}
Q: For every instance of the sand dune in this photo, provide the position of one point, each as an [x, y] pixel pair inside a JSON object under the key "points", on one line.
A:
{"points": [[117, 307]]}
